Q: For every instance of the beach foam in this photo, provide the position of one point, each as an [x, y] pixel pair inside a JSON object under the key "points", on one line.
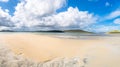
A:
{"points": [[9, 59]]}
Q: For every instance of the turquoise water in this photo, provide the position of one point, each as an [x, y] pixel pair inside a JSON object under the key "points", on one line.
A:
{"points": [[73, 35], [70, 35]]}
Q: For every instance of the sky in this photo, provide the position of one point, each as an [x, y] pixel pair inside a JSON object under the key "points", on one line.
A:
{"points": [[34, 15]]}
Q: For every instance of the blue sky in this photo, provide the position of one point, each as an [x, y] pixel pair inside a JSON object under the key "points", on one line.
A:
{"points": [[10, 5], [99, 8]]}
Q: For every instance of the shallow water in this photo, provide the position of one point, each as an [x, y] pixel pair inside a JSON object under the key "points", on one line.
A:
{"points": [[78, 35], [66, 35]]}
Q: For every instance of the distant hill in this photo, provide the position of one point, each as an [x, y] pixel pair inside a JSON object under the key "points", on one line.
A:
{"points": [[55, 31], [6, 31], [77, 31], [114, 32]]}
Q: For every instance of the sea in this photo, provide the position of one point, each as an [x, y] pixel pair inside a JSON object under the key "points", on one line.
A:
{"points": [[74, 35], [70, 35]]}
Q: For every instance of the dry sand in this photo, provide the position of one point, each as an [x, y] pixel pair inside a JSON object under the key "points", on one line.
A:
{"points": [[96, 52]]}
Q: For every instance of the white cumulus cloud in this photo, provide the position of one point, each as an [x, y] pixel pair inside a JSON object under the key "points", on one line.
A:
{"points": [[5, 18], [72, 18], [41, 14], [117, 21], [30, 12], [104, 28], [113, 14]]}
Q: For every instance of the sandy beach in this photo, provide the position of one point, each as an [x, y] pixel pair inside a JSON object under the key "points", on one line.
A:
{"points": [[96, 52]]}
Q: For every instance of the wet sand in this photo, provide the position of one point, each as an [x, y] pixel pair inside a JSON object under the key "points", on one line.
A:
{"points": [[95, 52]]}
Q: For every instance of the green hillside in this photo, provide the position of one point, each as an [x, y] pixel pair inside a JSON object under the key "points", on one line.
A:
{"points": [[114, 32], [77, 31]]}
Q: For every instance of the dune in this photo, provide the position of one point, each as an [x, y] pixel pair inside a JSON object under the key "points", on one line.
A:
{"points": [[96, 52]]}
